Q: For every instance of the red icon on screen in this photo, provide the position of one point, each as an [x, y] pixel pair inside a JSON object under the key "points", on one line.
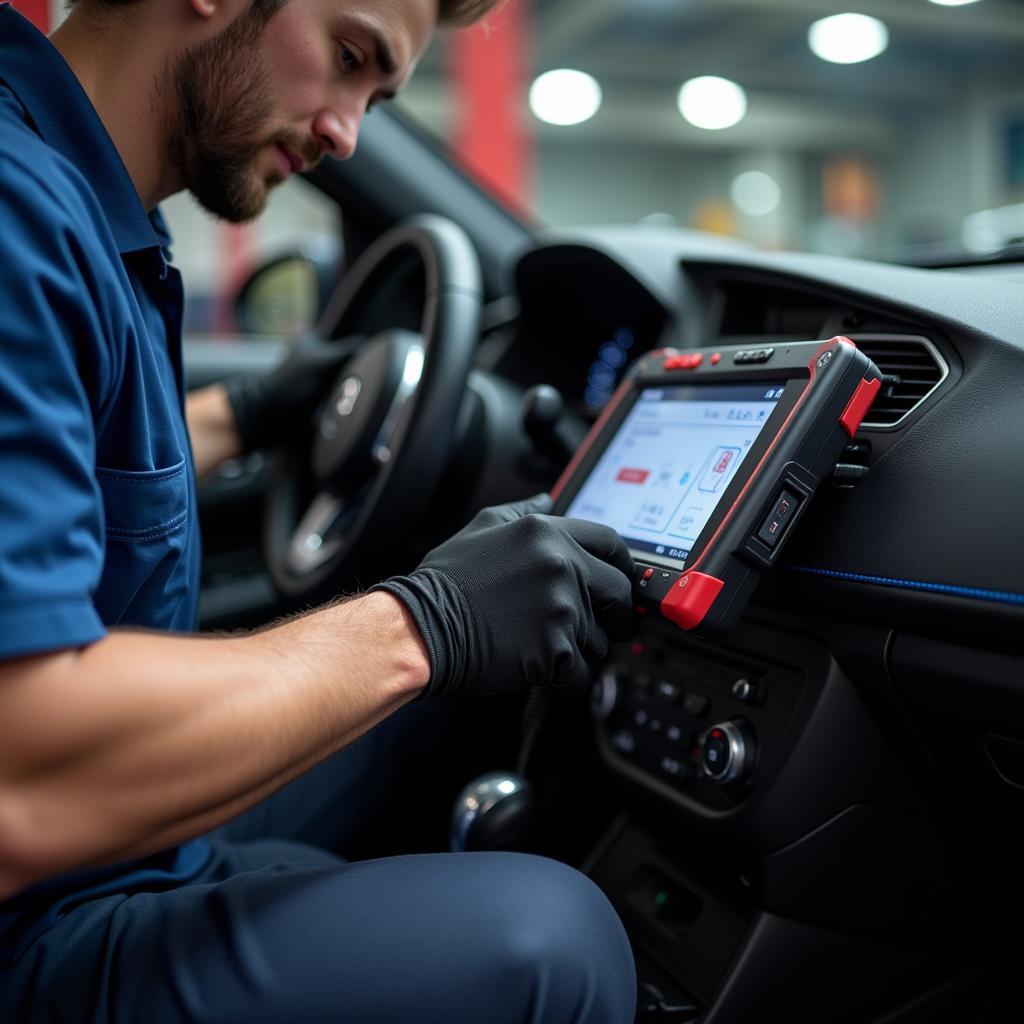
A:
{"points": [[723, 464], [632, 476]]}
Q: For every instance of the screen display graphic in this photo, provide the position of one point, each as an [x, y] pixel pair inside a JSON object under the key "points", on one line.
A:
{"points": [[668, 465]]}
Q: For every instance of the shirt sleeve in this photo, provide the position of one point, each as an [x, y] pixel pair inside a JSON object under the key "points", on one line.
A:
{"points": [[51, 354]]}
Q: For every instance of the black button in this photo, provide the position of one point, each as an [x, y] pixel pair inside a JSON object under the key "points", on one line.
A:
{"points": [[745, 690], [742, 357], [695, 704], [624, 742], [667, 690], [779, 517], [675, 734], [674, 768]]}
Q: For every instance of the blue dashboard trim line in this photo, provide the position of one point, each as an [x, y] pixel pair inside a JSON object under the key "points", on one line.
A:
{"points": [[1000, 596]]}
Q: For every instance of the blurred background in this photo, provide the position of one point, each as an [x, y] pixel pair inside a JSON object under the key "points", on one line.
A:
{"points": [[891, 129]]}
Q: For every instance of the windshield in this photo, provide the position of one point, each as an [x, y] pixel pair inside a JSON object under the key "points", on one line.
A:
{"points": [[887, 128]]}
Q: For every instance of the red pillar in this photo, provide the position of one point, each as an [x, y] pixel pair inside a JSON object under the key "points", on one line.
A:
{"points": [[488, 80], [37, 11]]}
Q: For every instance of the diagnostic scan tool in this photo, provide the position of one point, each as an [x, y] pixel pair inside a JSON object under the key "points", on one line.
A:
{"points": [[704, 460]]}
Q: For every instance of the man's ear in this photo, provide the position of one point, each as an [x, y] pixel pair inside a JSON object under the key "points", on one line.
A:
{"points": [[209, 8], [204, 8]]}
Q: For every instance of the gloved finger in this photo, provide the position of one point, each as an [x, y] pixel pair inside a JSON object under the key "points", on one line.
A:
{"points": [[611, 596], [537, 505], [509, 513], [595, 649], [573, 672], [603, 542]]}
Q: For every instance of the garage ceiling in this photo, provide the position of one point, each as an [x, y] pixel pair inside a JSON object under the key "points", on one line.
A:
{"points": [[642, 50]]}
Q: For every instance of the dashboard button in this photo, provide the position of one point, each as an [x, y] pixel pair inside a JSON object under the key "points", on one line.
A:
{"points": [[624, 742], [667, 691], [695, 704], [744, 690], [674, 768]]}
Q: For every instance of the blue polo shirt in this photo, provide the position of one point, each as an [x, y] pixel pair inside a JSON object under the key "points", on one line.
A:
{"points": [[97, 491]]}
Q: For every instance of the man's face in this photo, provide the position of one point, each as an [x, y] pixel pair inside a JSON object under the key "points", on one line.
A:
{"points": [[266, 98]]}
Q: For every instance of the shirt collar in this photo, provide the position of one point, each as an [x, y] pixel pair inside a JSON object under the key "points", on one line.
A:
{"points": [[63, 116]]}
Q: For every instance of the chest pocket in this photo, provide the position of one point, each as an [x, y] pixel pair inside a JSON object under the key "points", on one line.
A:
{"points": [[146, 575]]}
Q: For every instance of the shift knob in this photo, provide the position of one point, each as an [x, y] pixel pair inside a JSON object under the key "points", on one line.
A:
{"points": [[494, 812]]}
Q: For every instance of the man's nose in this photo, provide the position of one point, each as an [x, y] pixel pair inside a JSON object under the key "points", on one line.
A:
{"points": [[337, 134]]}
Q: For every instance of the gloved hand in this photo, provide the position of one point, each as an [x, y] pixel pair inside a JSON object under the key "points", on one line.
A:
{"points": [[518, 598], [276, 406]]}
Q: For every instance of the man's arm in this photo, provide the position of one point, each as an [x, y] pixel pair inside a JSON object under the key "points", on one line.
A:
{"points": [[212, 428], [141, 740]]}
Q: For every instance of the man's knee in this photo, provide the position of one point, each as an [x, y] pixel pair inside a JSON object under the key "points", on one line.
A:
{"points": [[560, 946]]}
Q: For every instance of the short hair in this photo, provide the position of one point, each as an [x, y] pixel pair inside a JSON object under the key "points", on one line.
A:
{"points": [[449, 12], [463, 12]]}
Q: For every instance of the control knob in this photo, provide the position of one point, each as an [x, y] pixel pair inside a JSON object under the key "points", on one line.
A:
{"points": [[605, 694], [728, 751]]}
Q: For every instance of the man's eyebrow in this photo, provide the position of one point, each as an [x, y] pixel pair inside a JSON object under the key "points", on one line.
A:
{"points": [[385, 55]]}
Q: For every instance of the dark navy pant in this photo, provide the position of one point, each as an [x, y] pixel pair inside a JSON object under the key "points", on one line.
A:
{"points": [[277, 930]]}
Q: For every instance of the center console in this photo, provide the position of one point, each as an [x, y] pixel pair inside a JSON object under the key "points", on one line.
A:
{"points": [[767, 831]]}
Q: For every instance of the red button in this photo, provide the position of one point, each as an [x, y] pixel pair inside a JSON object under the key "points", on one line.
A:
{"points": [[690, 361], [716, 358], [648, 574]]}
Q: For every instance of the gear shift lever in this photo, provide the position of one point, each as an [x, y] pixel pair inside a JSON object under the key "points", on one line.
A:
{"points": [[493, 812]]}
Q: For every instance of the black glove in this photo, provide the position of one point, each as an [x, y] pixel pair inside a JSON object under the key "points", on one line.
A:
{"points": [[519, 599], [276, 406]]}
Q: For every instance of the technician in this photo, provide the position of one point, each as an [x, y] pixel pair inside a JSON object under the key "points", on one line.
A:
{"points": [[124, 741]]}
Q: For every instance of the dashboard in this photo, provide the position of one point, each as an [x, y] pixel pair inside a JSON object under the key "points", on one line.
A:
{"points": [[856, 858], [867, 717]]}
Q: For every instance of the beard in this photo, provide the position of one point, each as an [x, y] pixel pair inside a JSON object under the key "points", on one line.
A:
{"points": [[224, 112]]}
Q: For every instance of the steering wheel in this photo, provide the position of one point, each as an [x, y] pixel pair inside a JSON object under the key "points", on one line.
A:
{"points": [[383, 435]]}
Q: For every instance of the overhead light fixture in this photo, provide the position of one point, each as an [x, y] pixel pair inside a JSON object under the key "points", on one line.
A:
{"points": [[755, 193], [954, 3], [712, 102], [848, 38], [565, 97]]}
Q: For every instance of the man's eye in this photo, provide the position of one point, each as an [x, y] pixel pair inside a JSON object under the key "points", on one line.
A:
{"points": [[348, 60]]}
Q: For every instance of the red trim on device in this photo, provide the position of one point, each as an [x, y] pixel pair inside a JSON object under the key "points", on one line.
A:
{"points": [[856, 409], [620, 393], [757, 469], [691, 599]]}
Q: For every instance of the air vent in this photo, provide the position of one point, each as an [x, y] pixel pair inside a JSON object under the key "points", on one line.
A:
{"points": [[912, 368]]}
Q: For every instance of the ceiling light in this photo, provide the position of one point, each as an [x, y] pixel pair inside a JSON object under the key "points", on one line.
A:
{"points": [[711, 102], [565, 97], [953, 3], [755, 193], [848, 38]]}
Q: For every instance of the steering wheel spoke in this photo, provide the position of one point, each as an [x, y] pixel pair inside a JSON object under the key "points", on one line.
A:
{"points": [[317, 538]]}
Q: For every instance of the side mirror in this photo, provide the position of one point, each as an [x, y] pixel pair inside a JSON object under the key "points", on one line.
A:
{"points": [[285, 295]]}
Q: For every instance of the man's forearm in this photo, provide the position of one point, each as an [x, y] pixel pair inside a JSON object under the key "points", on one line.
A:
{"points": [[212, 428], [142, 740]]}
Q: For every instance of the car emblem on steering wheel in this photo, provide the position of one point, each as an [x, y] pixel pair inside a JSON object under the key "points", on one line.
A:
{"points": [[341, 407]]}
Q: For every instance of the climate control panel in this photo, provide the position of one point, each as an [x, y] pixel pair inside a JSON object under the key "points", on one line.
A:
{"points": [[690, 719]]}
